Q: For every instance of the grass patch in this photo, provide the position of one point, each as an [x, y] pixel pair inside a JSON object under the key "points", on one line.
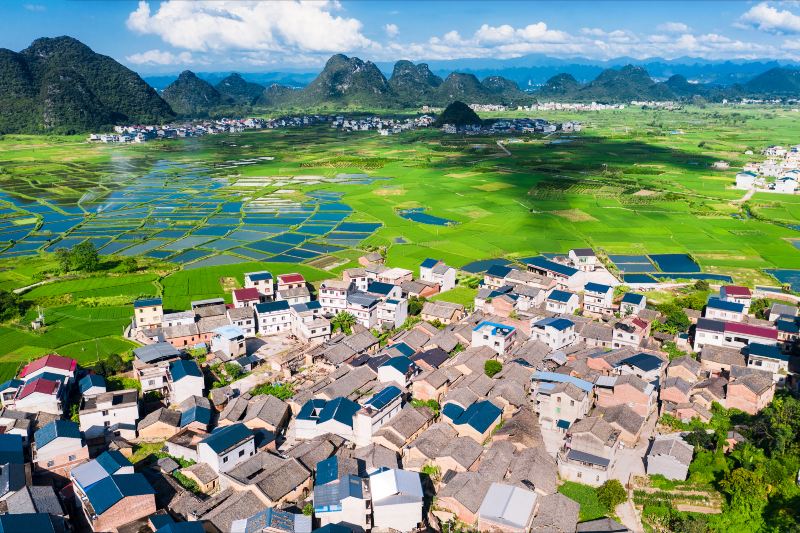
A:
{"points": [[586, 496], [458, 295]]}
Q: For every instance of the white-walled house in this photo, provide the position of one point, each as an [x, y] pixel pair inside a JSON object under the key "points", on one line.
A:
{"points": [[261, 281], [562, 302], [718, 309], [397, 499], [392, 312], [92, 385], [244, 318], [769, 358], [631, 304], [318, 416], [583, 259], [364, 308], [186, 380], [333, 296], [598, 299], [110, 413], [498, 337], [435, 271], [274, 317], [308, 322], [557, 333], [375, 413], [229, 340], [227, 447]]}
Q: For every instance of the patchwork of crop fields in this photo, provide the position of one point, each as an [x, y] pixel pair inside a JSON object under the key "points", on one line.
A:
{"points": [[311, 200]]}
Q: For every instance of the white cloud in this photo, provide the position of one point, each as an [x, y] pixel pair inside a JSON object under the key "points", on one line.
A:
{"points": [[159, 57], [35, 7], [770, 19], [280, 26], [507, 34], [673, 27], [391, 30]]}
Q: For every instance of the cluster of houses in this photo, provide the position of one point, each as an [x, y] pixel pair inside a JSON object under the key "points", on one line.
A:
{"points": [[144, 133], [779, 172], [383, 125], [515, 125], [569, 106], [377, 424]]}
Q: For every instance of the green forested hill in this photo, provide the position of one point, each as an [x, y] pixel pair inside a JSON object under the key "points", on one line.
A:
{"points": [[61, 85]]}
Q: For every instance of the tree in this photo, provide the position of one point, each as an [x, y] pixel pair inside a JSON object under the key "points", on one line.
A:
{"points": [[85, 257], [611, 493], [308, 509], [759, 308], [281, 391], [492, 367], [10, 305], [415, 305], [702, 285], [672, 350], [129, 265], [64, 258], [114, 364], [675, 319], [746, 490], [344, 322]]}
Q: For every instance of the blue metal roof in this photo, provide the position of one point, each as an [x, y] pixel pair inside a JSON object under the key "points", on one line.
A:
{"points": [[227, 437], [563, 424], [112, 461], [631, 298], [378, 287], [327, 470], [160, 520], [276, 519], [501, 328], [498, 271], [452, 410], [272, 307], [429, 263], [57, 428], [480, 415], [196, 413], [544, 263], [258, 276], [785, 325], [560, 296], [11, 449], [723, 305], [328, 497], [183, 368], [766, 350], [340, 409], [384, 397], [562, 378], [362, 299], [26, 523], [156, 352], [333, 528], [311, 409], [108, 491], [558, 323], [401, 363], [643, 361], [309, 306], [11, 383], [91, 380], [147, 302], [182, 527], [596, 287]]}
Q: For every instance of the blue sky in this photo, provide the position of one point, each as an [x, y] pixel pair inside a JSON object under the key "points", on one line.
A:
{"points": [[154, 36]]}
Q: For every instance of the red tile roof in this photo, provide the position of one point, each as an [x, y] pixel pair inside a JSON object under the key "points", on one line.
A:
{"points": [[290, 278], [49, 361], [243, 295], [753, 331], [736, 290], [44, 386]]}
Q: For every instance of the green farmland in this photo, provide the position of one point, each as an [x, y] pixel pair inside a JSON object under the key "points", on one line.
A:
{"points": [[624, 185]]}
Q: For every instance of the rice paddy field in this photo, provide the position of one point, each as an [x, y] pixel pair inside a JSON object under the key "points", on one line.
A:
{"points": [[311, 200]]}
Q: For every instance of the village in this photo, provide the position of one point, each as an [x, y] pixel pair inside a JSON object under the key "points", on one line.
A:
{"points": [[778, 173], [366, 404]]}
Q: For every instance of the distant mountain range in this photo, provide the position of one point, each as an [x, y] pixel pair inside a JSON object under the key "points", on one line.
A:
{"points": [[60, 85]]}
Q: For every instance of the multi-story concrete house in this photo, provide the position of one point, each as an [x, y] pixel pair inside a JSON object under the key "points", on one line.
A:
{"points": [[358, 277], [247, 297], [670, 457], [148, 313], [292, 288], [631, 304], [333, 296], [562, 302], [589, 452], [436, 271], [731, 334], [627, 389], [560, 404], [59, 447], [308, 322], [598, 299], [185, 380], [737, 294], [557, 333], [630, 331], [717, 309], [274, 317], [229, 340], [392, 312], [227, 447], [498, 337], [769, 358], [244, 318], [110, 413], [583, 259], [750, 393], [262, 282], [364, 308]]}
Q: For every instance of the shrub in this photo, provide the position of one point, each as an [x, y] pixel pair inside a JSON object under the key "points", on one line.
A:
{"points": [[611, 493], [492, 367]]}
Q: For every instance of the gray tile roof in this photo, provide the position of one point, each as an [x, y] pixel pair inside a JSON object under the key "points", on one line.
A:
{"points": [[203, 472], [268, 408], [171, 417], [673, 446], [534, 469], [557, 514]]}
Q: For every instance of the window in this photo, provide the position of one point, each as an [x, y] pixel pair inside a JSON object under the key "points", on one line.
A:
{"points": [[572, 403], [580, 475], [225, 459], [72, 457], [105, 413], [241, 453], [50, 463], [106, 423]]}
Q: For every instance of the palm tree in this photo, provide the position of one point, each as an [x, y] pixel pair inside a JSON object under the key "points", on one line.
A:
{"points": [[343, 321]]}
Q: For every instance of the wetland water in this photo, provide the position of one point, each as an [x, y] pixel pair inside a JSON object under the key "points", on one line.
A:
{"points": [[184, 213]]}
